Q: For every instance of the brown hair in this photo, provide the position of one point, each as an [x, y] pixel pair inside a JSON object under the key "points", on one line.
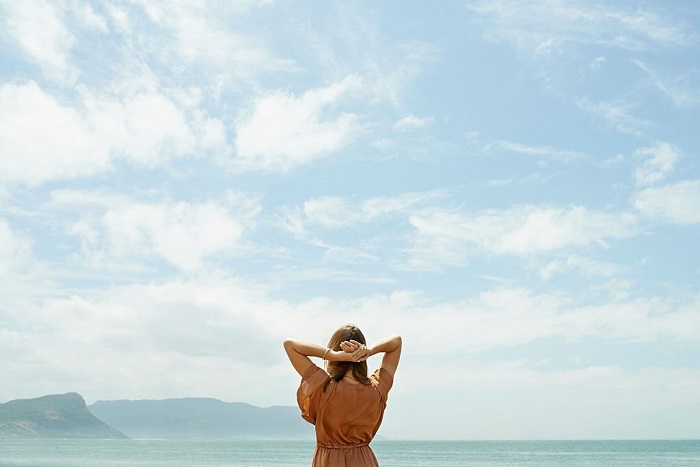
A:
{"points": [[338, 370]]}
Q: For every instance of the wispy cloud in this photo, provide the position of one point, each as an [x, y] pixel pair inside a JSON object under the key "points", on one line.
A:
{"points": [[207, 35], [90, 19], [282, 130], [545, 27], [410, 122], [449, 237], [676, 202], [325, 222], [15, 250], [660, 160], [335, 212], [38, 29], [683, 89], [588, 267], [542, 152], [351, 43], [619, 114]]}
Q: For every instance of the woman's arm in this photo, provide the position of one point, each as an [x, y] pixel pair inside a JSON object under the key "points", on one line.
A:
{"points": [[299, 352], [391, 346]]}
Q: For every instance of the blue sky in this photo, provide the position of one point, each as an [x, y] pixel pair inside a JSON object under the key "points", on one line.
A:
{"points": [[512, 186]]}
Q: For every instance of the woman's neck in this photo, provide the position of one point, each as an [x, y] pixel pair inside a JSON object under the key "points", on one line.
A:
{"points": [[350, 379]]}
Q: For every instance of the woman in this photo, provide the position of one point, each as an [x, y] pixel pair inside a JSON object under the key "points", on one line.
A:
{"points": [[344, 404]]}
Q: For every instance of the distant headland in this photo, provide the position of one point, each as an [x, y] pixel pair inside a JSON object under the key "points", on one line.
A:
{"points": [[67, 416], [53, 416]]}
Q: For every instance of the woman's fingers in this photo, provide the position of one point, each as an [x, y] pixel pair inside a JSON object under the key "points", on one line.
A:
{"points": [[360, 354], [358, 351], [349, 346]]}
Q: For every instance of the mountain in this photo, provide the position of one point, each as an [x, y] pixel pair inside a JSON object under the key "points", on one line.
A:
{"points": [[201, 418], [54, 416]]}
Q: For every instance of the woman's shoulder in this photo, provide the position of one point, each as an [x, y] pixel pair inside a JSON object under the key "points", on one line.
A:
{"points": [[312, 379], [382, 374], [382, 377], [382, 380], [312, 370]]}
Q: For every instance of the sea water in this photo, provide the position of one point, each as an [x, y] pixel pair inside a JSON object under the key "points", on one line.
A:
{"points": [[125, 453]]}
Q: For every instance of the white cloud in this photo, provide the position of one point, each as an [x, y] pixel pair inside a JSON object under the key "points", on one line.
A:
{"points": [[618, 115], [331, 211], [543, 27], [508, 317], [588, 267], [172, 338], [188, 235], [447, 237], [15, 250], [334, 212], [24, 281], [323, 222], [43, 139], [90, 19], [214, 320], [182, 338], [283, 131], [677, 202], [546, 152], [207, 34], [146, 127], [37, 26], [409, 122], [660, 160], [201, 39], [182, 233], [537, 151], [348, 255], [351, 43], [120, 18]]}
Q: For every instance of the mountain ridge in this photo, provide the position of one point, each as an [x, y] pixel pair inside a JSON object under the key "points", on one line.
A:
{"points": [[53, 416], [197, 417]]}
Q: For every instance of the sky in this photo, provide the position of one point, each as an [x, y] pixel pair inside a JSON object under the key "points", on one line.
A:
{"points": [[511, 186]]}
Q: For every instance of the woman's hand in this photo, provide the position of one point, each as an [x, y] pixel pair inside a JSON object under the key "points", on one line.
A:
{"points": [[357, 352], [350, 346]]}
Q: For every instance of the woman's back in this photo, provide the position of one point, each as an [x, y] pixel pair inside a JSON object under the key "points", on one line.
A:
{"points": [[346, 413]]}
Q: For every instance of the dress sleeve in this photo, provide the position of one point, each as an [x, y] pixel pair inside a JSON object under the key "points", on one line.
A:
{"points": [[383, 381], [311, 381]]}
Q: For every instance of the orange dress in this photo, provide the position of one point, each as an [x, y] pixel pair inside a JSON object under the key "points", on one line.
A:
{"points": [[346, 416]]}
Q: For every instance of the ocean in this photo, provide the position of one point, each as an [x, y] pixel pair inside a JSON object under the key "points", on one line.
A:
{"points": [[190, 453]]}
